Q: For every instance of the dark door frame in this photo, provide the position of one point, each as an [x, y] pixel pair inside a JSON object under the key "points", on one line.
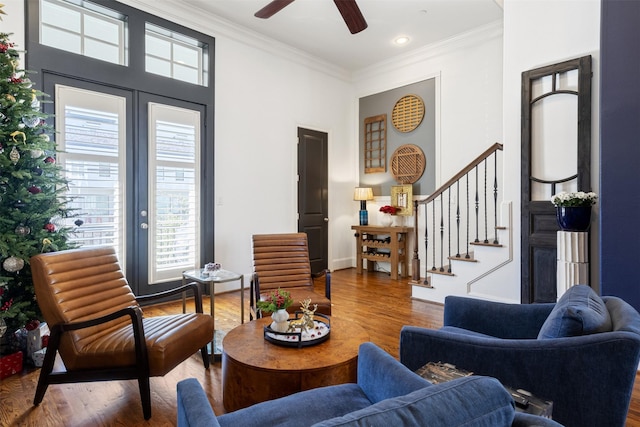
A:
{"points": [[538, 222], [313, 194]]}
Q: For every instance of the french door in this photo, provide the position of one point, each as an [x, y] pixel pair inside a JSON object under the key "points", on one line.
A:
{"points": [[134, 162]]}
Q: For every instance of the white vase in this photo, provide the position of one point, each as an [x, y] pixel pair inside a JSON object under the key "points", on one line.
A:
{"points": [[280, 321], [386, 220]]}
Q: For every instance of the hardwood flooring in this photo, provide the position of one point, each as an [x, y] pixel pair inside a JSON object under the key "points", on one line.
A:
{"points": [[373, 300]]}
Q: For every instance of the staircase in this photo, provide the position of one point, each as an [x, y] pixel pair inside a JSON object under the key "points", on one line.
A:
{"points": [[462, 234]]}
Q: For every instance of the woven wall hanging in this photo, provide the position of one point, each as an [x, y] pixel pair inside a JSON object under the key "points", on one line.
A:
{"points": [[407, 164], [408, 113]]}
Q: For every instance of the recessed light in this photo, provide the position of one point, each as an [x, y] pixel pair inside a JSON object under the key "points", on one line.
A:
{"points": [[401, 40]]}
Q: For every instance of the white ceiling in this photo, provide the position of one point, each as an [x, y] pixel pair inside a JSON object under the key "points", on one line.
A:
{"points": [[316, 26]]}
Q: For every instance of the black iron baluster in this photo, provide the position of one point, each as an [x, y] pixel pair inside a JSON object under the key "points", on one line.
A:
{"points": [[486, 228], [468, 220], [441, 233], [426, 242], [458, 219], [477, 240], [495, 197], [433, 219]]}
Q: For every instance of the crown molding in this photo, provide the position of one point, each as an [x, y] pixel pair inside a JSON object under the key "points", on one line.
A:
{"points": [[460, 41]]}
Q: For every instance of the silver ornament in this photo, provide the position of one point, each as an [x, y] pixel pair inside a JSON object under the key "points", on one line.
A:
{"points": [[32, 121], [13, 264], [22, 230], [36, 153]]}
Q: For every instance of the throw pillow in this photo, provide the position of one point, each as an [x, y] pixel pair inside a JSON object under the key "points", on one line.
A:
{"points": [[580, 311]]}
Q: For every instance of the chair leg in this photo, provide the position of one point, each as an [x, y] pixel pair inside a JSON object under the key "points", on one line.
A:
{"points": [[43, 383], [145, 396], [47, 366], [205, 357]]}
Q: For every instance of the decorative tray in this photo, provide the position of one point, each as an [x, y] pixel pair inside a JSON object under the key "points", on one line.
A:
{"points": [[299, 338]]}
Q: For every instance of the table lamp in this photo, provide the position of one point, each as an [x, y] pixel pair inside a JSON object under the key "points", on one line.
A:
{"points": [[363, 194]]}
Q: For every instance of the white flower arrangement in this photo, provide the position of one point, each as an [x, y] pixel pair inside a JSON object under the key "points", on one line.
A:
{"points": [[580, 198]]}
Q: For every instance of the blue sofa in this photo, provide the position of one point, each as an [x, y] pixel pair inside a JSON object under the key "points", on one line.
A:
{"points": [[582, 353], [387, 394]]}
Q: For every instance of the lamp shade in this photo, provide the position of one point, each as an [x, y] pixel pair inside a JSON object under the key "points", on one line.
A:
{"points": [[363, 193]]}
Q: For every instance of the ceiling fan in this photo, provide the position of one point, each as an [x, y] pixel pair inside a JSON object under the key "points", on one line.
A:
{"points": [[348, 9]]}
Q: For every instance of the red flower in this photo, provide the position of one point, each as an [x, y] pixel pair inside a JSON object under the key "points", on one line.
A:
{"points": [[389, 209], [16, 80], [3, 47], [49, 227]]}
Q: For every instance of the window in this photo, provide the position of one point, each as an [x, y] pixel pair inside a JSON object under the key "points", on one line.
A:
{"points": [[84, 28], [92, 145], [174, 55], [174, 183]]}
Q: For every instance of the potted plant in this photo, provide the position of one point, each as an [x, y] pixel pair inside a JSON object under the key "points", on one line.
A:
{"points": [[276, 303], [388, 211], [573, 209]]}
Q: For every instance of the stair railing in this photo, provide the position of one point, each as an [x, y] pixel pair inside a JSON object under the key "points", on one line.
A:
{"points": [[437, 215]]}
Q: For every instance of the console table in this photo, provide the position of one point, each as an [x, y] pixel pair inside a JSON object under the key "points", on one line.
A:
{"points": [[385, 244]]}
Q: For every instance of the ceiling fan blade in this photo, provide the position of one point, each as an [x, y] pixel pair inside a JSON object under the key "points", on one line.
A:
{"points": [[351, 14], [272, 8]]}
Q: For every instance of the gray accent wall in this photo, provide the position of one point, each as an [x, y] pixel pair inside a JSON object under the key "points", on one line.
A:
{"points": [[424, 136]]}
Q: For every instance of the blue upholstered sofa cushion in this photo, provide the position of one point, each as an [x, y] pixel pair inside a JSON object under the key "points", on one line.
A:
{"points": [[580, 311], [471, 401]]}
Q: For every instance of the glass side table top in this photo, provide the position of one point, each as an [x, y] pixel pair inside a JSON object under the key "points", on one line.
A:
{"points": [[220, 276]]}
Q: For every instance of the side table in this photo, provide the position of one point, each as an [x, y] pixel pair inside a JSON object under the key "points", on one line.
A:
{"points": [[393, 242], [209, 283]]}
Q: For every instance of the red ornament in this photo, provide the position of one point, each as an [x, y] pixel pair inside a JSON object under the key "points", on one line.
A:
{"points": [[34, 190], [3, 47], [50, 227], [50, 159], [32, 325]]}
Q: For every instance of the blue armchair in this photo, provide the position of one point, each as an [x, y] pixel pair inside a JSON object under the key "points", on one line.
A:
{"points": [[589, 377], [386, 394]]}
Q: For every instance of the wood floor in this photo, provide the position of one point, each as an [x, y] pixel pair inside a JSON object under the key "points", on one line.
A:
{"points": [[372, 300]]}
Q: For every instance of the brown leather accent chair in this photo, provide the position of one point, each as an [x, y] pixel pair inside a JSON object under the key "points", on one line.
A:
{"points": [[98, 328], [282, 261]]}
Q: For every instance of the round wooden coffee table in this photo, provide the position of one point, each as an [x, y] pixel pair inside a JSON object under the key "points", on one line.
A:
{"points": [[255, 370]]}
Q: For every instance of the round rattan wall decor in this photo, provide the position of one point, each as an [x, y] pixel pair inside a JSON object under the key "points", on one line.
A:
{"points": [[407, 164], [408, 113]]}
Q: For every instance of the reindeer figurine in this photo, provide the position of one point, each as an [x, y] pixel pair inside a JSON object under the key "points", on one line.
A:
{"points": [[306, 321]]}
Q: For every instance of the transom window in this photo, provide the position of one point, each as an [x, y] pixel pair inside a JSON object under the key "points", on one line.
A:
{"points": [[174, 55], [84, 28]]}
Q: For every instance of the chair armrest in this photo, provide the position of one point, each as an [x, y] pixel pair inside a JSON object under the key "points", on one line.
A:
{"points": [[327, 281], [134, 312], [195, 287], [497, 319], [194, 409], [571, 372], [380, 376]]}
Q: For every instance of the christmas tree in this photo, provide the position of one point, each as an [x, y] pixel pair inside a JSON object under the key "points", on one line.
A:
{"points": [[32, 190]]}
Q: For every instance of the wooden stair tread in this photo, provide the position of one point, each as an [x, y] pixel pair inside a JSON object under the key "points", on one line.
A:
{"points": [[463, 257]]}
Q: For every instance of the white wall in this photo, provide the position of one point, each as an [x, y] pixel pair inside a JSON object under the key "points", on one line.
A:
{"points": [[264, 92], [539, 33]]}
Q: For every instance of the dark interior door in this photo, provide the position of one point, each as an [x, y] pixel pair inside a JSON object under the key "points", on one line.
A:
{"points": [[313, 212], [540, 88]]}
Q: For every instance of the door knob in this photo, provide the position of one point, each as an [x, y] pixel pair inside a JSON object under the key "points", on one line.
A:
{"points": [[144, 225], [326, 220]]}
